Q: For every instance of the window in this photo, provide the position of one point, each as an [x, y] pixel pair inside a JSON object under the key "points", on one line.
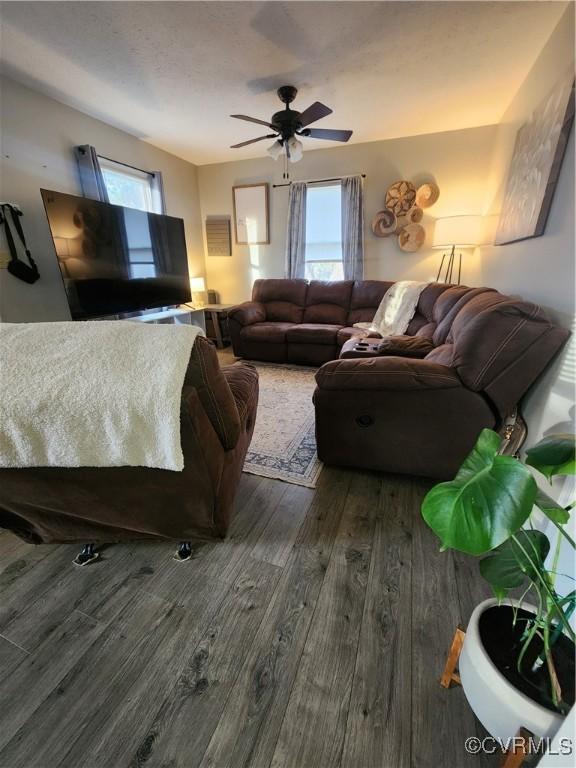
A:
{"points": [[324, 233], [130, 187], [139, 241]]}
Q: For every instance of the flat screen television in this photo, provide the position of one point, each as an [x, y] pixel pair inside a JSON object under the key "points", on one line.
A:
{"points": [[116, 260]]}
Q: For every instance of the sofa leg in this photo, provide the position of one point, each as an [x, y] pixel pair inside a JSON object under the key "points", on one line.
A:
{"points": [[87, 555], [184, 551]]}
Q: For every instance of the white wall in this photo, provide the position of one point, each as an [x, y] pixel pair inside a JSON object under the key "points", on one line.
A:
{"points": [[543, 269], [38, 135], [459, 162]]}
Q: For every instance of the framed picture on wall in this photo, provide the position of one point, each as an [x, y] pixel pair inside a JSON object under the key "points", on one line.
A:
{"points": [[535, 167], [251, 214]]}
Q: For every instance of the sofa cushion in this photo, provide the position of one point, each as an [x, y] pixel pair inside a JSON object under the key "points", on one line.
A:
{"points": [[449, 305], [345, 334], [423, 323], [365, 300], [312, 333], [283, 300], [328, 302], [269, 333]]}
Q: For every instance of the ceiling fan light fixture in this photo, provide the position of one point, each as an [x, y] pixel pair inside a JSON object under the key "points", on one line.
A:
{"points": [[275, 150], [296, 149]]}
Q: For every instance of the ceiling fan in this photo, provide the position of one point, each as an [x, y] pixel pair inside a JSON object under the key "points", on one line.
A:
{"points": [[288, 124]]}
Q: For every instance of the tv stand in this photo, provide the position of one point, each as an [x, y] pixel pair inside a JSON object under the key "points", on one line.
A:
{"points": [[182, 315]]}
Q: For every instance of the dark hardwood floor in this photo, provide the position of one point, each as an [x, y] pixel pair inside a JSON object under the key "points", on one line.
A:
{"points": [[313, 637]]}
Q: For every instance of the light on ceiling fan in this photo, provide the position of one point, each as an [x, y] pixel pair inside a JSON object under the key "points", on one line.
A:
{"points": [[275, 150], [296, 149]]}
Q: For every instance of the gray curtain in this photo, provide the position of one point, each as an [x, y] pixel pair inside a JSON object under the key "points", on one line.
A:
{"points": [[158, 189], [353, 228], [296, 230], [91, 179]]}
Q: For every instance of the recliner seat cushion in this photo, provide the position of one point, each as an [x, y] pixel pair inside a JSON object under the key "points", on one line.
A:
{"points": [[266, 333], [313, 333]]}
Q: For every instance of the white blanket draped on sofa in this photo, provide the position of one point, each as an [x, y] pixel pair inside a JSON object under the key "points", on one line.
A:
{"points": [[396, 309], [92, 394]]}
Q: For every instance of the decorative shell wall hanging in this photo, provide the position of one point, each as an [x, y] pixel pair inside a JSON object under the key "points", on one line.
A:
{"points": [[427, 194], [404, 212], [384, 223], [400, 197]]}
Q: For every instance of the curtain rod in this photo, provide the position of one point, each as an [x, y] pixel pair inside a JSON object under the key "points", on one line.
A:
{"points": [[318, 181], [127, 165]]}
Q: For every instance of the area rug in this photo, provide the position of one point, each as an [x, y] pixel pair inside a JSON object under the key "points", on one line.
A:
{"points": [[284, 444]]}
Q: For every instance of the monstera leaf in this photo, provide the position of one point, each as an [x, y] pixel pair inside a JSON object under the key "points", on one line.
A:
{"points": [[554, 455], [551, 508], [514, 561], [489, 499]]}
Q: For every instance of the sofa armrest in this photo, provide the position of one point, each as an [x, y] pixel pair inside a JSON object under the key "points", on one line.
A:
{"points": [[405, 346], [248, 313], [242, 378], [386, 373]]}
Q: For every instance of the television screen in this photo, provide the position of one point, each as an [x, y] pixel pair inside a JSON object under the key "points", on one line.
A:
{"points": [[115, 259]]}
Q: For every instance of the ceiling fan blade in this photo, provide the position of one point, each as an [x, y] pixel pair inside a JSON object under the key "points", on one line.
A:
{"points": [[314, 112], [252, 120], [251, 141], [327, 133]]}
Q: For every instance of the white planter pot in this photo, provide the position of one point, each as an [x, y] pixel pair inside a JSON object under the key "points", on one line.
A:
{"points": [[500, 707]]}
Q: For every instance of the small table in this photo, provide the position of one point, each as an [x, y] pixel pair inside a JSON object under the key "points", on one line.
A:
{"points": [[214, 311]]}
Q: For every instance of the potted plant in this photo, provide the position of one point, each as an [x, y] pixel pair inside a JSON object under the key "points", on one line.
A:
{"points": [[517, 662]]}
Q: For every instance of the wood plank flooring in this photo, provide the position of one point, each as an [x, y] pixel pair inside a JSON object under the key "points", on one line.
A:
{"points": [[313, 637]]}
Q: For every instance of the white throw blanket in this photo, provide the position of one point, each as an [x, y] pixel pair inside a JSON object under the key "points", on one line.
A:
{"points": [[92, 394], [396, 309]]}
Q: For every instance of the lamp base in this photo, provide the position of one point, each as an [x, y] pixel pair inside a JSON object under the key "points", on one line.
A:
{"points": [[450, 267]]}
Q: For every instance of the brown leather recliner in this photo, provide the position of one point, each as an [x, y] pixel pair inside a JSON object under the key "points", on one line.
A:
{"points": [[417, 403], [52, 504], [299, 322], [423, 416]]}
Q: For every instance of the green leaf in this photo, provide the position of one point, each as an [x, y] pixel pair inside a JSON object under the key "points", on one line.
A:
{"points": [[554, 455], [514, 561], [490, 498], [551, 508]]}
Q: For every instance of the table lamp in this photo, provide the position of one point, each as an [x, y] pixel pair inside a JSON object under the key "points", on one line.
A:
{"points": [[452, 232], [198, 289]]}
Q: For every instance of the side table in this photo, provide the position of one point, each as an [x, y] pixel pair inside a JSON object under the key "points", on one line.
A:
{"points": [[215, 310]]}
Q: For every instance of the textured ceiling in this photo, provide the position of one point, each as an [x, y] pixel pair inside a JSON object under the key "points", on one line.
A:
{"points": [[171, 73]]}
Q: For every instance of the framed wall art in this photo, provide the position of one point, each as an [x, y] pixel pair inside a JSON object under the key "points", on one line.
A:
{"points": [[536, 161], [251, 225]]}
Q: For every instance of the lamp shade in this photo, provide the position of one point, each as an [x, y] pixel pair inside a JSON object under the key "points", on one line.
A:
{"points": [[461, 231], [197, 284]]}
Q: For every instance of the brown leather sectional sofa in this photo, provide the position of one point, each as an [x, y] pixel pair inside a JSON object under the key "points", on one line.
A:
{"points": [[53, 504], [418, 404]]}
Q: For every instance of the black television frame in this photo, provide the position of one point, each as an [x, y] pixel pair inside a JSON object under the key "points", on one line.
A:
{"points": [[128, 311]]}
